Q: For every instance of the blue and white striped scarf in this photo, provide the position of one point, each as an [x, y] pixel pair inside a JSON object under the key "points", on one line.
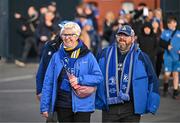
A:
{"points": [[118, 93]]}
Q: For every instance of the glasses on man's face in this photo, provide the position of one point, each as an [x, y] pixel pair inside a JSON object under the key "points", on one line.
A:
{"points": [[68, 35], [118, 36]]}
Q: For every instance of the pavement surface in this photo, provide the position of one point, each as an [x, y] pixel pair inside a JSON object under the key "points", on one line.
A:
{"points": [[19, 104]]}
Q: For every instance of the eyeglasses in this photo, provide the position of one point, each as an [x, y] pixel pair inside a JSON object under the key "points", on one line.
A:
{"points": [[68, 35], [122, 36]]}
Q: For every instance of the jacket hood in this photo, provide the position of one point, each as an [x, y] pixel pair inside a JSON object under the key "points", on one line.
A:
{"points": [[147, 24]]}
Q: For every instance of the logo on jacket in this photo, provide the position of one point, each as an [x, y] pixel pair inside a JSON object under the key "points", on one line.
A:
{"points": [[112, 90], [65, 61], [125, 78], [49, 53], [178, 35], [167, 34], [112, 81]]}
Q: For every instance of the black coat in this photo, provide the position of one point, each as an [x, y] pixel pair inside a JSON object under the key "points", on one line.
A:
{"points": [[148, 43]]}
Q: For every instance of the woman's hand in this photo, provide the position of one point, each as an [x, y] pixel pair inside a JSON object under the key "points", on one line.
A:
{"points": [[38, 97], [85, 91], [73, 81], [45, 114]]}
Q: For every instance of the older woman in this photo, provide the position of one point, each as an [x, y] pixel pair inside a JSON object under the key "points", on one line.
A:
{"points": [[71, 79]]}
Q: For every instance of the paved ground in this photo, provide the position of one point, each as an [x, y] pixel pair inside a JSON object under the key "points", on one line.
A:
{"points": [[18, 102]]}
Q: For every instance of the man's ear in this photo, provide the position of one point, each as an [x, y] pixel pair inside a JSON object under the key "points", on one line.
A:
{"points": [[134, 38]]}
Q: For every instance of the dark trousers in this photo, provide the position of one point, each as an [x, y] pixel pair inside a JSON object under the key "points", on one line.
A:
{"points": [[159, 63], [120, 113], [52, 118], [66, 115], [30, 42]]}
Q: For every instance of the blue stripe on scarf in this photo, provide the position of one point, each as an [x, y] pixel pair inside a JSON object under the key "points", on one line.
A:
{"points": [[116, 94]]}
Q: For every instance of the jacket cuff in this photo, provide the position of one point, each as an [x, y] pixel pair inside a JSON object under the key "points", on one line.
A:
{"points": [[153, 102]]}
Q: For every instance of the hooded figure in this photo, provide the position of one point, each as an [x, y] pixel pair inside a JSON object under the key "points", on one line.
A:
{"points": [[148, 42]]}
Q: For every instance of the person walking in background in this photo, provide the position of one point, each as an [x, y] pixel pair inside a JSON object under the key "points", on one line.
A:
{"points": [[27, 30], [71, 79], [131, 86], [46, 30], [47, 52], [170, 41]]}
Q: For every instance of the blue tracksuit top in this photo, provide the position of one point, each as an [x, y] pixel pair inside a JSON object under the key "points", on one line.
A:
{"points": [[175, 42], [89, 74]]}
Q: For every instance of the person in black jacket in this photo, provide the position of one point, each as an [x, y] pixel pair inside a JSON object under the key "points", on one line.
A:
{"points": [[46, 30], [47, 52], [27, 30], [148, 42]]}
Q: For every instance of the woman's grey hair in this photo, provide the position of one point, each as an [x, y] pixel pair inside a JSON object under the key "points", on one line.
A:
{"points": [[72, 25]]}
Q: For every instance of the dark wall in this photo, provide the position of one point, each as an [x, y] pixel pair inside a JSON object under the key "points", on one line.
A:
{"points": [[169, 8], [4, 28], [66, 8]]}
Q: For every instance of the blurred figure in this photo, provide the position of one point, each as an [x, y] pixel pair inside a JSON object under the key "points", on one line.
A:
{"points": [[116, 25], [46, 30], [138, 18], [107, 26], [147, 42], [150, 16], [27, 30], [52, 8], [80, 19], [160, 51], [43, 10], [159, 17], [94, 37], [95, 9], [79, 10], [170, 42], [85, 38], [91, 15]]}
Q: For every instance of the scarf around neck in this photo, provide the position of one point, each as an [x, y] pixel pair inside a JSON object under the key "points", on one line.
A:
{"points": [[68, 59], [118, 92]]}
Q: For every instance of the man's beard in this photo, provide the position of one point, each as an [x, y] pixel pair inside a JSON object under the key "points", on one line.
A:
{"points": [[124, 48]]}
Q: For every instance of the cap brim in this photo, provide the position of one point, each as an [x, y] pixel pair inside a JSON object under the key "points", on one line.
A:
{"points": [[124, 33]]}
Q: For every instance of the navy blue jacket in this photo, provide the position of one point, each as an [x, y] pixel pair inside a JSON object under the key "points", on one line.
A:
{"points": [[47, 52]]}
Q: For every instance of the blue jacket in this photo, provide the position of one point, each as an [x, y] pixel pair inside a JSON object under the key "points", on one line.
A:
{"points": [[89, 74], [144, 84], [173, 54], [48, 50]]}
